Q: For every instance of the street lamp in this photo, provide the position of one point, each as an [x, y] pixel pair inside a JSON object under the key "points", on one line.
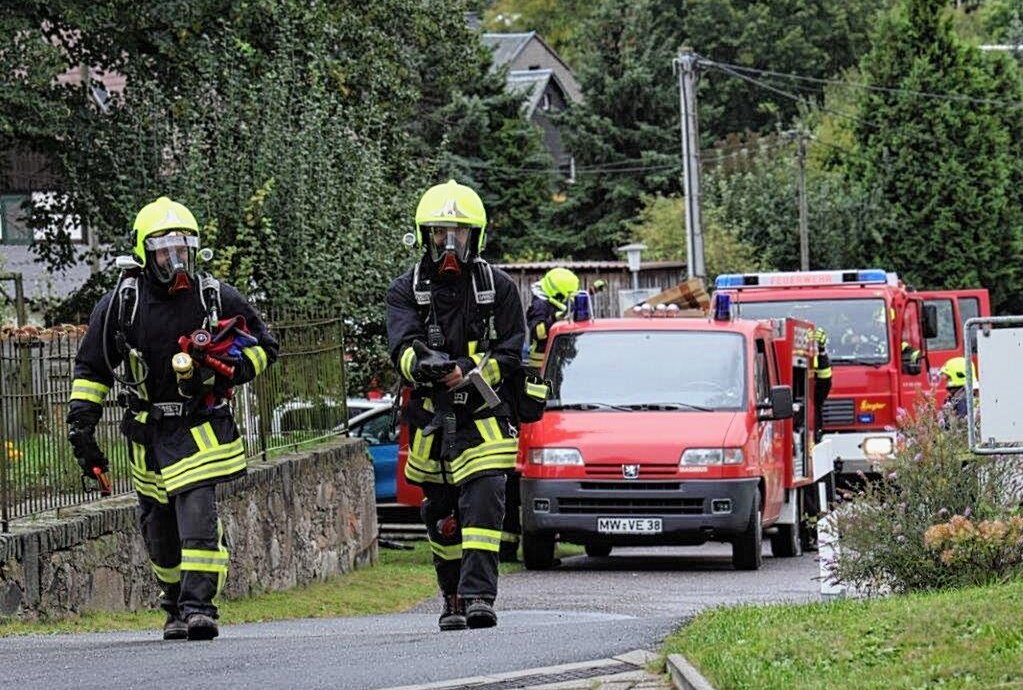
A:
{"points": [[632, 252]]}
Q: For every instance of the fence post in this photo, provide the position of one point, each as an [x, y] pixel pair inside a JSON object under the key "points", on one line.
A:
{"points": [[4, 458], [344, 368]]}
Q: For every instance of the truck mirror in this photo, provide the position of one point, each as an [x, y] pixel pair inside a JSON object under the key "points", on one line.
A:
{"points": [[781, 404], [930, 321]]}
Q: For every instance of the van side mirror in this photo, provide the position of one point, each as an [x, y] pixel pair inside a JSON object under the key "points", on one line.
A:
{"points": [[780, 407], [930, 317]]}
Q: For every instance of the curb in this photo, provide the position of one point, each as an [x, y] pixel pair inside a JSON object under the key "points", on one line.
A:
{"points": [[684, 676]]}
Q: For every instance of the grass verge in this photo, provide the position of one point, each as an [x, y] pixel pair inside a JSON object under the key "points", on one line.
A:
{"points": [[400, 580], [970, 638]]}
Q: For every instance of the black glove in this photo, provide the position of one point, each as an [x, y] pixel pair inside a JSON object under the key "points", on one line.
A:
{"points": [[86, 450], [199, 383], [430, 365]]}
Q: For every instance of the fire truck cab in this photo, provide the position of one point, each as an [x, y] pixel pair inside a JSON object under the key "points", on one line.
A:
{"points": [[877, 341], [672, 431]]}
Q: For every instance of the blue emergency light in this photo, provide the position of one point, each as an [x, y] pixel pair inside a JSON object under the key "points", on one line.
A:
{"points": [[580, 306], [722, 307], [869, 276]]}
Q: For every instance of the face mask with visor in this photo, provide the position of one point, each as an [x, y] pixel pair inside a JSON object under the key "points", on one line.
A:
{"points": [[449, 245], [170, 259]]}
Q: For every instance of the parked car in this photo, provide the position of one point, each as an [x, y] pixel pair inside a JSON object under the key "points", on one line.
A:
{"points": [[378, 427]]}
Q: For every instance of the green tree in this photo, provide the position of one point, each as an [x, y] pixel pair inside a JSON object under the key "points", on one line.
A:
{"points": [[947, 172], [557, 21]]}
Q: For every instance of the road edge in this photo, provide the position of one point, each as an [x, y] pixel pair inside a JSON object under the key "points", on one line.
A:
{"points": [[684, 675]]}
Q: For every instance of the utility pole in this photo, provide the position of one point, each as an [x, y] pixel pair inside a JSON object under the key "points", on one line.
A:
{"points": [[686, 67], [800, 135]]}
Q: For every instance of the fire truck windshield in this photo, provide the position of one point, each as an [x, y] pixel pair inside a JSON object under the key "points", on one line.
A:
{"points": [[644, 370], [857, 328]]}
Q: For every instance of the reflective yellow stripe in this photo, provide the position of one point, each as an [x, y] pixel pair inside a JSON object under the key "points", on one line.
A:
{"points": [[203, 456], [136, 374], [509, 537], [493, 462], [256, 355], [204, 560], [204, 437], [407, 361], [222, 468], [90, 391], [508, 445], [169, 576], [489, 429], [145, 482], [418, 466], [446, 553], [492, 372], [535, 357], [536, 390], [541, 331], [824, 373], [472, 350], [481, 539]]}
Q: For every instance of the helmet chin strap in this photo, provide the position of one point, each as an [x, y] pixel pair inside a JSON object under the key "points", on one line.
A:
{"points": [[181, 283]]}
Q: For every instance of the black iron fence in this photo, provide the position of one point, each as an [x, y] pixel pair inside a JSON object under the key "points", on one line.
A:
{"points": [[298, 400]]}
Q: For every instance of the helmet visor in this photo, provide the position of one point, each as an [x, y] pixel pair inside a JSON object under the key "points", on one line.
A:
{"points": [[169, 254], [448, 238]]}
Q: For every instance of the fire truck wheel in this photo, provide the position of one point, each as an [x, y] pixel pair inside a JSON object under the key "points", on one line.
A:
{"points": [[598, 550], [747, 548], [538, 550]]}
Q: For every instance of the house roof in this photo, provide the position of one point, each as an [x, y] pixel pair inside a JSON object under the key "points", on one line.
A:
{"points": [[506, 47], [532, 83], [39, 281]]}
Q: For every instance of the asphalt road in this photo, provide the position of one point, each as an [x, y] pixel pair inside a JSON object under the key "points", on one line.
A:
{"points": [[585, 609]]}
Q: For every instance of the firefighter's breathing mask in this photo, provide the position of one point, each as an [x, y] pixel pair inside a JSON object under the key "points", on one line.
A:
{"points": [[171, 258], [449, 247]]}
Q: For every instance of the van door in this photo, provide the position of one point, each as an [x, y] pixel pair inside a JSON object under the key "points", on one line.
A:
{"points": [[771, 462]]}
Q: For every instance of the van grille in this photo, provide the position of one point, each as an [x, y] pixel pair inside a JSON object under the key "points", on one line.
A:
{"points": [[630, 506], [841, 411], [630, 486]]}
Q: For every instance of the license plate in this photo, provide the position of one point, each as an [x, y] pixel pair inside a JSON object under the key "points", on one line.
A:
{"points": [[628, 525]]}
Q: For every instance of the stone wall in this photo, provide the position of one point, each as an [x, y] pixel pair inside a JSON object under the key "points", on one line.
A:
{"points": [[290, 521]]}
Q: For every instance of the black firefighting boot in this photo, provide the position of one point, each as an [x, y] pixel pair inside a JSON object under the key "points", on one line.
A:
{"points": [[479, 613], [174, 628], [453, 616], [201, 627]]}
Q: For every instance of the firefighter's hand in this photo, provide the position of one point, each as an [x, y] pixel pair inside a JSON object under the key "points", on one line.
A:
{"points": [[87, 452], [430, 365], [453, 378], [199, 383]]}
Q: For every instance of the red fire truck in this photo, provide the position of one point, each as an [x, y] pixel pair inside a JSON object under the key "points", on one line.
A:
{"points": [[872, 321], [672, 431]]}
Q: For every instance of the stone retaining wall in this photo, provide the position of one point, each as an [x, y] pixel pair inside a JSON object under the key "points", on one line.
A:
{"points": [[290, 521]]}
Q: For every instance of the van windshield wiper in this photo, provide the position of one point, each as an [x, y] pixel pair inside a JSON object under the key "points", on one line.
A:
{"points": [[557, 405], [669, 406]]}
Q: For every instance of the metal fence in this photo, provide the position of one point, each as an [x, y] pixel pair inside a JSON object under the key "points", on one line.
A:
{"points": [[298, 400]]}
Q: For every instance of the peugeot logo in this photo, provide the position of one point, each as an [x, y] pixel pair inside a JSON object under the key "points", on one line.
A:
{"points": [[630, 471]]}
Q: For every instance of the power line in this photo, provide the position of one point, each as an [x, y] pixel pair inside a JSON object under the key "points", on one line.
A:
{"points": [[867, 87]]}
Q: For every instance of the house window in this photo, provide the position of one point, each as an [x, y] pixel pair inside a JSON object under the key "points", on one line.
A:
{"points": [[13, 223], [545, 102]]}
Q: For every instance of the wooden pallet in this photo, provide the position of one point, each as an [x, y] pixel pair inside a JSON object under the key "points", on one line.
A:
{"points": [[690, 296]]}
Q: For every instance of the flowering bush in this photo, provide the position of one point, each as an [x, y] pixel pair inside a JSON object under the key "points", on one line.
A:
{"points": [[938, 515]]}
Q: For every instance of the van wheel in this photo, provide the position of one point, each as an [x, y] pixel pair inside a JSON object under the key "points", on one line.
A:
{"points": [[598, 550], [538, 550], [747, 547], [785, 543]]}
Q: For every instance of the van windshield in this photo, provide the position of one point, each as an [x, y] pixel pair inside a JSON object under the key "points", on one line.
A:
{"points": [[857, 328], [647, 370]]}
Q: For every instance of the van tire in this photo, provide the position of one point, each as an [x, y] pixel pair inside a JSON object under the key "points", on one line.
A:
{"points": [[598, 550], [538, 550], [786, 542], [747, 548]]}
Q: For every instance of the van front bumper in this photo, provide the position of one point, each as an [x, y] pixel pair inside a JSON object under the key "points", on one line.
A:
{"points": [[690, 511]]}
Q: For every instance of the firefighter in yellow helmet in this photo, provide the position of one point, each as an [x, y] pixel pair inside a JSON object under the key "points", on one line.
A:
{"points": [[954, 373], [822, 386], [449, 315], [182, 440], [551, 295]]}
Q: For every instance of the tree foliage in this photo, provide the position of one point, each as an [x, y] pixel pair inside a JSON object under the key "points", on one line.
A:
{"points": [[947, 172]]}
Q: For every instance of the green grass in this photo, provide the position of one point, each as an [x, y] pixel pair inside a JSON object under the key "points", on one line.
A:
{"points": [[399, 581], [971, 638]]}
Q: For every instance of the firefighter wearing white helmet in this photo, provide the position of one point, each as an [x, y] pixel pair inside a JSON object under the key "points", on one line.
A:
{"points": [[452, 313]]}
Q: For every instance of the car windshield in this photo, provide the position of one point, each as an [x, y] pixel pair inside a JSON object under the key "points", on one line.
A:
{"points": [[857, 328], [647, 370]]}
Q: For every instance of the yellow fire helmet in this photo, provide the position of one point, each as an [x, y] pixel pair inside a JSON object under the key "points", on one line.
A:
{"points": [[452, 205], [954, 370], [559, 284], [158, 218]]}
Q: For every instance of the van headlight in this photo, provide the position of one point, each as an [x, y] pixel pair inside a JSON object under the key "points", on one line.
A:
{"points": [[711, 456], [877, 447], [555, 456]]}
